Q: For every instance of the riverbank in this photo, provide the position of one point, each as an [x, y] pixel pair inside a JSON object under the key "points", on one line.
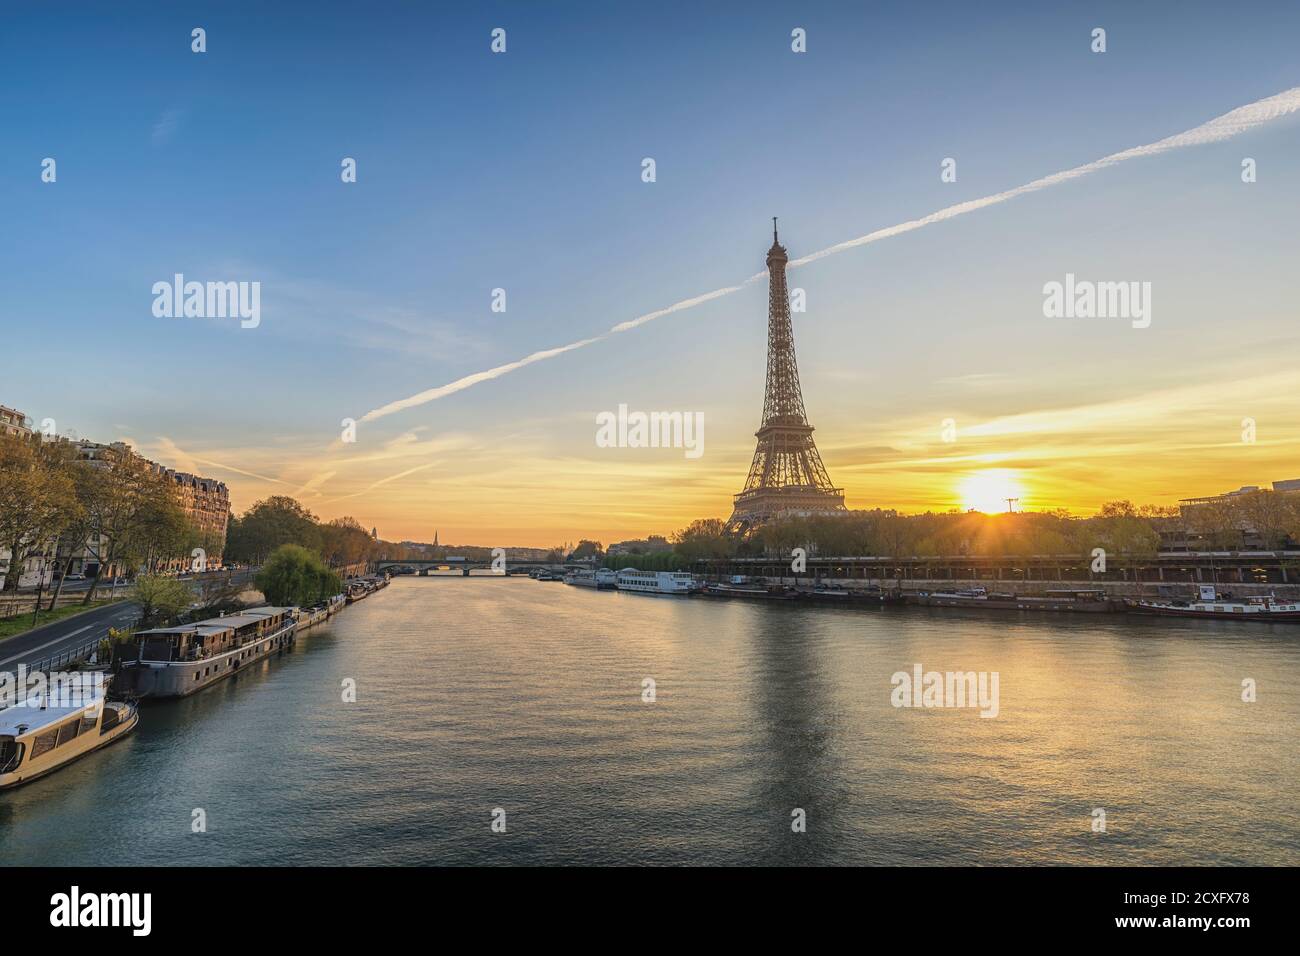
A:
{"points": [[1114, 590]]}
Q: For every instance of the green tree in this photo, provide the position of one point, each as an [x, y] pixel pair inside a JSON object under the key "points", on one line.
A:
{"points": [[293, 575], [269, 524], [132, 507], [344, 541], [81, 523], [703, 539], [160, 598], [37, 501], [586, 549]]}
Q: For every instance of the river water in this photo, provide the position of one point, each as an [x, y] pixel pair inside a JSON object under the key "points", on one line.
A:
{"points": [[478, 695]]}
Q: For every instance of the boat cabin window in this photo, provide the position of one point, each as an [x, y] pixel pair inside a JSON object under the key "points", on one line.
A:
{"points": [[157, 647], [43, 743], [68, 731]]}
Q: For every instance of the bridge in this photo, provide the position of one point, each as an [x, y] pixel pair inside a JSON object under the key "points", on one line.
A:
{"points": [[429, 567]]}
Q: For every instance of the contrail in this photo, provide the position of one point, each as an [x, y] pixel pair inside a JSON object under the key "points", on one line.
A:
{"points": [[383, 481], [1234, 123]]}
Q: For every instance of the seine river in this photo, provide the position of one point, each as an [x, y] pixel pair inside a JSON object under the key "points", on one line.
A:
{"points": [[479, 695]]}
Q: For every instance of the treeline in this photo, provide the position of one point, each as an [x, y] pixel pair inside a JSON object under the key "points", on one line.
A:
{"points": [[117, 510], [1266, 520], [652, 561], [252, 537]]}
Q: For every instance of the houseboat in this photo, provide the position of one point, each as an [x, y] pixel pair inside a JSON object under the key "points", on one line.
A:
{"points": [[318, 613], [830, 594], [1210, 605], [655, 582], [178, 661], [876, 595], [37, 737], [752, 592], [1077, 600], [603, 579]]}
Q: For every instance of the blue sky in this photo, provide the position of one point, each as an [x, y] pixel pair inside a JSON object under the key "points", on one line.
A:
{"points": [[522, 171]]}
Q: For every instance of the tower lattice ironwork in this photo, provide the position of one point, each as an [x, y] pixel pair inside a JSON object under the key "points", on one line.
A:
{"points": [[787, 476]]}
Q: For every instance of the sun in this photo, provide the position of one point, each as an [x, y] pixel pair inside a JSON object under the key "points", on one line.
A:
{"points": [[989, 490]]}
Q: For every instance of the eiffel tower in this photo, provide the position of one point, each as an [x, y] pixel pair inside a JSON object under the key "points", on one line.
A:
{"points": [[787, 477]]}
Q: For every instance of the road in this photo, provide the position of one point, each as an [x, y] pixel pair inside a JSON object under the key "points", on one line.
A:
{"points": [[51, 639]]}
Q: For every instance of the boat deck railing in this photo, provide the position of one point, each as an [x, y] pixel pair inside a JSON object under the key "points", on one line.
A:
{"points": [[287, 626]]}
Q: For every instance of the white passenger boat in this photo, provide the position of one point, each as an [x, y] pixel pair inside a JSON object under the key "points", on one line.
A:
{"points": [[38, 737], [177, 661], [1211, 605], [602, 579], [656, 582]]}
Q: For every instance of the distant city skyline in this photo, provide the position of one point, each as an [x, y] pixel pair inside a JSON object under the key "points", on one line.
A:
{"points": [[929, 369]]}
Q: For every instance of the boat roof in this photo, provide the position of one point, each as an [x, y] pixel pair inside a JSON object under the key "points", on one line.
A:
{"points": [[35, 718], [215, 625]]}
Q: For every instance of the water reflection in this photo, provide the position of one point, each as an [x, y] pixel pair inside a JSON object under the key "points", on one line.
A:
{"points": [[477, 694]]}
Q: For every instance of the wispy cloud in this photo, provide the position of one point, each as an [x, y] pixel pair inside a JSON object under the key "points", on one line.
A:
{"points": [[166, 126], [383, 481], [174, 452], [1230, 124], [1240, 120]]}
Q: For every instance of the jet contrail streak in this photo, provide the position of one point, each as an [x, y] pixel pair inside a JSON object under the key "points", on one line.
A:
{"points": [[1233, 123]]}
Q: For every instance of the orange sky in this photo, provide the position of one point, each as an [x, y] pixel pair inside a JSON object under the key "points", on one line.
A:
{"points": [[517, 486]]}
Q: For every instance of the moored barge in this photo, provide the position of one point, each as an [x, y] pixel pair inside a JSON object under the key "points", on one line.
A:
{"points": [[752, 592], [178, 661], [602, 579], [319, 613], [1210, 606], [1073, 600]]}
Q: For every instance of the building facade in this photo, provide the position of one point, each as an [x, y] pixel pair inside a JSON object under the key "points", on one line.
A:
{"points": [[14, 422], [1243, 520], [206, 503], [36, 570]]}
